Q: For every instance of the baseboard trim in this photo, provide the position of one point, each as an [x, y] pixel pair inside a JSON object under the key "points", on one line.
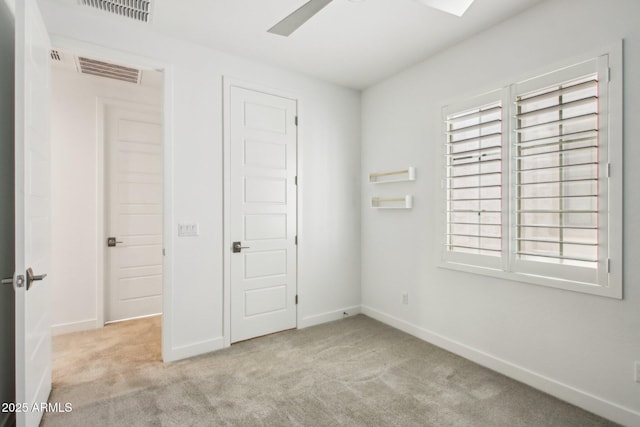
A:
{"points": [[329, 316], [65, 328], [191, 350], [580, 398], [145, 316]]}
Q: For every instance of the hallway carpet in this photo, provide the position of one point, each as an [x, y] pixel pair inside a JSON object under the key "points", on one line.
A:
{"points": [[352, 372]]}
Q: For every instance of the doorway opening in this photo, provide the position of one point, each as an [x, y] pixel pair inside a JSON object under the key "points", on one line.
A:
{"points": [[107, 188]]}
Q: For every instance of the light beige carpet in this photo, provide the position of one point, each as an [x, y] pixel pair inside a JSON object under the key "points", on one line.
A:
{"points": [[353, 372]]}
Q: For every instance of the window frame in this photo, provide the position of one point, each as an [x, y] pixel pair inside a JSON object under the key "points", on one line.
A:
{"points": [[608, 275]]}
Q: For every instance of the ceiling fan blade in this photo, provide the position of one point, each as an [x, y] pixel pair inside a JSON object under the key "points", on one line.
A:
{"points": [[454, 7], [292, 22]]}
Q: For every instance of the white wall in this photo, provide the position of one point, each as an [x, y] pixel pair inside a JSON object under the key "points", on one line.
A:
{"points": [[578, 347], [74, 185], [329, 160]]}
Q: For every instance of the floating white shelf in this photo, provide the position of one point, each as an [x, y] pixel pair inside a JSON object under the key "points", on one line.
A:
{"points": [[405, 202], [404, 175]]}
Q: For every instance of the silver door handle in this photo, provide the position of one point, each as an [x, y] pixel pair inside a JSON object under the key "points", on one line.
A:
{"points": [[237, 247], [111, 241], [32, 277], [7, 281]]}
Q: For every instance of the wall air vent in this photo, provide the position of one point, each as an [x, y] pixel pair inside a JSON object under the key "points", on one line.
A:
{"points": [[111, 71], [55, 55], [134, 9]]}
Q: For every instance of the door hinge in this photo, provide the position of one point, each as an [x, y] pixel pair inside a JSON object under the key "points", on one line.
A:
{"points": [[164, 252], [608, 170], [296, 299], [295, 180], [296, 240], [608, 265], [296, 120]]}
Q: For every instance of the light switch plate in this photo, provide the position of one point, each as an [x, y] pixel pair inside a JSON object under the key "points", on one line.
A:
{"points": [[188, 229]]}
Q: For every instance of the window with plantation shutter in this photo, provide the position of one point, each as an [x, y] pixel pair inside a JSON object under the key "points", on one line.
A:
{"points": [[559, 173], [528, 188], [474, 181]]}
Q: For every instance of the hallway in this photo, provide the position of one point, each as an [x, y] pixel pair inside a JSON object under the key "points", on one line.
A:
{"points": [[93, 365]]}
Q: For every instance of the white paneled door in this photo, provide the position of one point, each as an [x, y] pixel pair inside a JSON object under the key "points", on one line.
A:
{"points": [[263, 139], [33, 214], [133, 138]]}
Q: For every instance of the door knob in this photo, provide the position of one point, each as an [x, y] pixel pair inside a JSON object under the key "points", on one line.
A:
{"points": [[237, 247], [32, 277], [111, 241]]}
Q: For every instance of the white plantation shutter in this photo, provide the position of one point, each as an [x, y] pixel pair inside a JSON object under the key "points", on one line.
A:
{"points": [[527, 182], [473, 183], [558, 176]]}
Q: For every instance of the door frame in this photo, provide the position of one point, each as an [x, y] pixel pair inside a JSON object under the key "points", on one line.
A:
{"points": [[227, 84], [102, 212], [85, 48]]}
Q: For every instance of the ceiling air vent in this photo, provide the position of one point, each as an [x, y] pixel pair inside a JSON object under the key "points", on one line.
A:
{"points": [[134, 9], [111, 71], [55, 55]]}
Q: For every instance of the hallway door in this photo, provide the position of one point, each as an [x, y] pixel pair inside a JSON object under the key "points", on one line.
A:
{"points": [[133, 139]]}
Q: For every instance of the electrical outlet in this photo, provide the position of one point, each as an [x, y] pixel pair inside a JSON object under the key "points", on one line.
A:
{"points": [[188, 229], [405, 298], [637, 371]]}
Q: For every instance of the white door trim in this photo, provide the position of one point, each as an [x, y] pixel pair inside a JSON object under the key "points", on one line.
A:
{"points": [[85, 48], [101, 208], [227, 83]]}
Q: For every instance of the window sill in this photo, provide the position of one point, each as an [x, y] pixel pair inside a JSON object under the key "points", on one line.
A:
{"points": [[550, 282]]}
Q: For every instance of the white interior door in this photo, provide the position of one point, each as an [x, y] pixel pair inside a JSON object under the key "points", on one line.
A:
{"points": [[33, 212], [133, 137], [263, 138]]}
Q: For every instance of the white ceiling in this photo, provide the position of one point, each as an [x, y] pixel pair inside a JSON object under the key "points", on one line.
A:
{"points": [[354, 44]]}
